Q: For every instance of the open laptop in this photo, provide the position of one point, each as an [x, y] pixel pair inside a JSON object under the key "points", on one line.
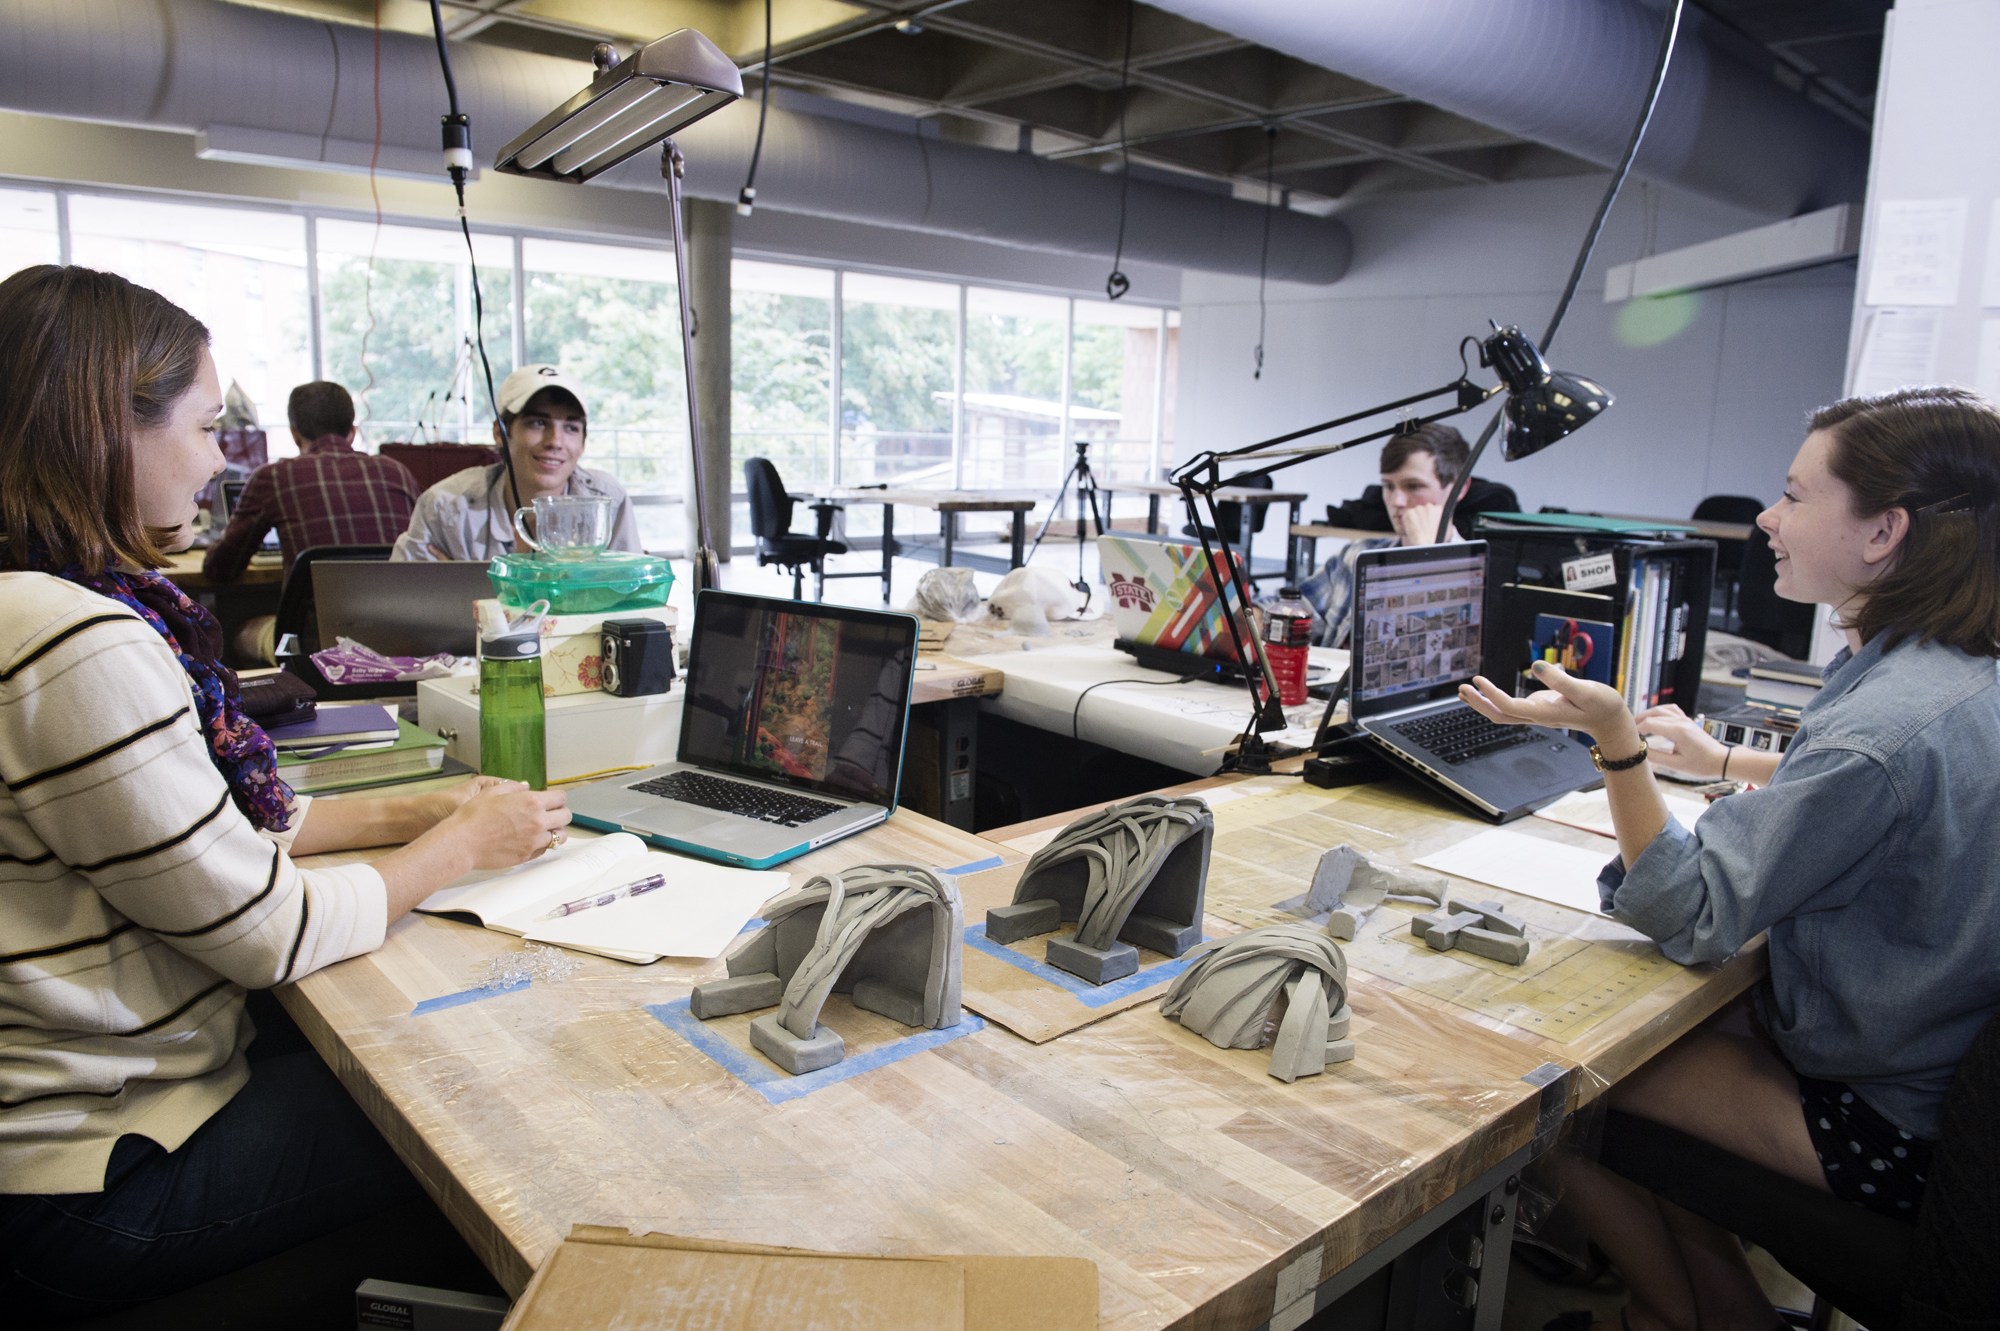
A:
{"points": [[1416, 638], [1165, 605], [791, 733], [418, 608]]}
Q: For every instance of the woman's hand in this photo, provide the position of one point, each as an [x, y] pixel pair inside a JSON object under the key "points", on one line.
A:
{"points": [[432, 808], [1696, 753], [499, 824], [504, 823], [1567, 703]]}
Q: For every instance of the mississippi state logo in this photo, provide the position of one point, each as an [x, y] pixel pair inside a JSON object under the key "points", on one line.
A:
{"points": [[1129, 594]]}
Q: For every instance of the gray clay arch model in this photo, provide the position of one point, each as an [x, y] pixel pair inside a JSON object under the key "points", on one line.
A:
{"points": [[1133, 873], [887, 935], [1230, 991]]}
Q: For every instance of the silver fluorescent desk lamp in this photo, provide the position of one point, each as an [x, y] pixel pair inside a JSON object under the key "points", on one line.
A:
{"points": [[647, 98]]}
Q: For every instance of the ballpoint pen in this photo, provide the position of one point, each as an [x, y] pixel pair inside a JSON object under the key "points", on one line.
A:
{"points": [[606, 898]]}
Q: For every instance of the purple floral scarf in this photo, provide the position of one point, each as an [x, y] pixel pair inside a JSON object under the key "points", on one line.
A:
{"points": [[238, 746]]}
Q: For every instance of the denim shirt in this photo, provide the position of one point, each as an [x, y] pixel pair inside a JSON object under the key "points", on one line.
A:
{"points": [[1331, 590], [1873, 858]]}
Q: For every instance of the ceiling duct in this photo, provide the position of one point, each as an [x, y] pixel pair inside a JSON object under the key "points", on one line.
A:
{"points": [[1571, 74], [295, 89]]}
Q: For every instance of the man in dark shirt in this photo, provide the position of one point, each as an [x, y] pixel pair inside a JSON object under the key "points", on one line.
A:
{"points": [[327, 495]]}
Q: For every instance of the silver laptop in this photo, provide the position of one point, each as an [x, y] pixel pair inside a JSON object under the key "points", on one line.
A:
{"points": [[1416, 638], [791, 734], [417, 608]]}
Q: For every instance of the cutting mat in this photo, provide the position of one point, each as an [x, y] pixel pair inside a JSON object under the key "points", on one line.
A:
{"points": [[1268, 841]]}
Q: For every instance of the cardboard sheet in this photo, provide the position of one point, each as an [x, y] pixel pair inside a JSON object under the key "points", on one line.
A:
{"points": [[1590, 810], [1012, 985], [602, 1277]]}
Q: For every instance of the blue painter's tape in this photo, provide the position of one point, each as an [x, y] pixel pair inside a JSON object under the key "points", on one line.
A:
{"points": [[464, 996], [977, 866], [776, 1086], [1086, 993]]}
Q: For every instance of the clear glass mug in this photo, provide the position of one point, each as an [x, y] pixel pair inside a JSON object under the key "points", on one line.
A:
{"points": [[567, 526]]}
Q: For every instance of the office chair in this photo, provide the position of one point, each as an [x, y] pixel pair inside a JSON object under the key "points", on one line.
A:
{"points": [[431, 463], [1230, 515], [771, 522], [1935, 1275], [298, 617], [1729, 554], [1762, 614]]}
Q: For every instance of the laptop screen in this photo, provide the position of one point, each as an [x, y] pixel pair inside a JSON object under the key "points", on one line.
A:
{"points": [[1417, 612], [812, 696]]}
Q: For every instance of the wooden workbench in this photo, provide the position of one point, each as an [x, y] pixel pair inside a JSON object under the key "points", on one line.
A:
{"points": [[1185, 1172], [184, 571], [948, 505]]}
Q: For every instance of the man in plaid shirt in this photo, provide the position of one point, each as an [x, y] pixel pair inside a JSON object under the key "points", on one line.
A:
{"points": [[327, 495]]}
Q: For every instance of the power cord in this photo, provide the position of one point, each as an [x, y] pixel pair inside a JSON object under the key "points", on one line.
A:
{"points": [[746, 199], [1118, 284], [458, 164], [1078, 710]]}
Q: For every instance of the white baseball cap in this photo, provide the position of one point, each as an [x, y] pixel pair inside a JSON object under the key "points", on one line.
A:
{"points": [[529, 380]]}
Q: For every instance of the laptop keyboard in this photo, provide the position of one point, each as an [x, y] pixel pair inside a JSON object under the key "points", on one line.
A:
{"points": [[739, 797], [1461, 734]]}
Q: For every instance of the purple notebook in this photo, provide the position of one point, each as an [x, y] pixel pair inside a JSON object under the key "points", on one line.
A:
{"points": [[358, 724]]}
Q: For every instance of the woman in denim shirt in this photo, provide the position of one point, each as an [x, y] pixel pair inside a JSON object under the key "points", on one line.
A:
{"points": [[1871, 856]]}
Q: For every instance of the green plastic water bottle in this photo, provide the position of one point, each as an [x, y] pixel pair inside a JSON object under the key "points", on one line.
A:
{"points": [[512, 730]]}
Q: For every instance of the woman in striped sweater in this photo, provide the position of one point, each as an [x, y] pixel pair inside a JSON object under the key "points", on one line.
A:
{"points": [[147, 1141]]}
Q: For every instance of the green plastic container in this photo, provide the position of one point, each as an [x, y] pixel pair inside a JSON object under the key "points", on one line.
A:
{"points": [[610, 581]]}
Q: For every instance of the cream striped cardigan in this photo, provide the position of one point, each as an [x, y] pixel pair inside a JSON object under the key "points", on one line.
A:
{"points": [[136, 902]]}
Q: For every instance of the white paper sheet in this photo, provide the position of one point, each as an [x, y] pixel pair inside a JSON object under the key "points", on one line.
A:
{"points": [[1915, 259], [491, 895], [1989, 286], [1546, 870], [1986, 378], [696, 914], [1899, 349], [1590, 810]]}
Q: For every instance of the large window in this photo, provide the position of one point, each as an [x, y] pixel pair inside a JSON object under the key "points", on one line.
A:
{"points": [[610, 316], [28, 233], [397, 316], [839, 377], [241, 272], [898, 373]]}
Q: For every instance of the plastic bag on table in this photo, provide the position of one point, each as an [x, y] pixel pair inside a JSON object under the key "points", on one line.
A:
{"points": [[946, 594]]}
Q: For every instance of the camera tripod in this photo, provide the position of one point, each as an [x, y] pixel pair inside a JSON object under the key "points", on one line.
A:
{"points": [[1086, 503]]}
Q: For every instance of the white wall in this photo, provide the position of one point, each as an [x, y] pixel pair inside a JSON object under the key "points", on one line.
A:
{"points": [[1718, 407]]}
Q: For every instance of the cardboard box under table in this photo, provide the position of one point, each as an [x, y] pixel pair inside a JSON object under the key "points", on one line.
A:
{"points": [[587, 732]]}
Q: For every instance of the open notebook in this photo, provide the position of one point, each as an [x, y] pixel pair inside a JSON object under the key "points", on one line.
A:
{"points": [[700, 909]]}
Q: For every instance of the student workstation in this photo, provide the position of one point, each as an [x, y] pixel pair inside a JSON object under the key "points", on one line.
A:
{"points": [[1201, 663]]}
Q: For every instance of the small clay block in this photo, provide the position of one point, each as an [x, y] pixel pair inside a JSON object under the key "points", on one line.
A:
{"points": [[891, 1000], [1444, 937], [1493, 946], [1451, 916], [1339, 1051], [1023, 919], [1343, 922], [789, 1052], [1159, 934], [738, 993], [1461, 908], [1500, 922], [1087, 963], [1330, 880], [1337, 1025]]}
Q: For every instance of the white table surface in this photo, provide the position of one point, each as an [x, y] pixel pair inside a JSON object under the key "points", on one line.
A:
{"points": [[1185, 726]]}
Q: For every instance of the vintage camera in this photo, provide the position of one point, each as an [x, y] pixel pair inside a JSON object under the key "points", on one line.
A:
{"points": [[638, 657]]}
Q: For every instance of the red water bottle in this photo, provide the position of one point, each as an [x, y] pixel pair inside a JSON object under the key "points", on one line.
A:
{"points": [[1287, 633]]}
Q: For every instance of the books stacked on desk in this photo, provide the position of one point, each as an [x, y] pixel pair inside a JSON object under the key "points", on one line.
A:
{"points": [[1774, 694], [346, 747]]}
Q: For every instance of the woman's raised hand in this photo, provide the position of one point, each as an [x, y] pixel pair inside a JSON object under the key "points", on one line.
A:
{"points": [[1567, 703]]}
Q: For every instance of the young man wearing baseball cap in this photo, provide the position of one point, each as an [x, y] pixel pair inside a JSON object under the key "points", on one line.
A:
{"points": [[543, 426]]}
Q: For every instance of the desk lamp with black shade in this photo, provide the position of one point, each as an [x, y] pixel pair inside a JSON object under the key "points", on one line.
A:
{"points": [[633, 104], [1542, 406]]}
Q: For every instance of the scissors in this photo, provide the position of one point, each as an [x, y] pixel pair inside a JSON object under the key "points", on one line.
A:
{"points": [[1574, 647]]}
